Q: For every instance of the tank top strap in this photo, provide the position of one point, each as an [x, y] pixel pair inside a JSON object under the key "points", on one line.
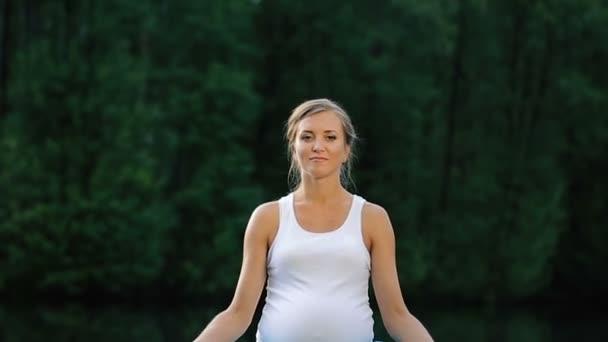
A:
{"points": [[358, 205], [353, 221], [285, 208], [285, 215]]}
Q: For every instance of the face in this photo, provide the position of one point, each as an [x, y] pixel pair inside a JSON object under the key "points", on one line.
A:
{"points": [[320, 146]]}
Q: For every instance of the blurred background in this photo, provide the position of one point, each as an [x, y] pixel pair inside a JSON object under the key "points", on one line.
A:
{"points": [[136, 137]]}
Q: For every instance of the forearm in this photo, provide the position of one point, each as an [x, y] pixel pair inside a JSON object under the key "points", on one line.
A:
{"points": [[407, 328], [225, 327]]}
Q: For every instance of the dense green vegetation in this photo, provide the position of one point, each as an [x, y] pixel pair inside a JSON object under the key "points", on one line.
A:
{"points": [[137, 137], [71, 322]]}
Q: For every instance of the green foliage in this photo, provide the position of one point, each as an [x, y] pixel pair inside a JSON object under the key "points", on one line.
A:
{"points": [[204, 89], [84, 211], [140, 137]]}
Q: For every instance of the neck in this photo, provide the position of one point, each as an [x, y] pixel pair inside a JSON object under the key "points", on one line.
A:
{"points": [[320, 190]]}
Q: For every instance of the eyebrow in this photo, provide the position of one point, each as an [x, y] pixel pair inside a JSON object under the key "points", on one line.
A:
{"points": [[326, 131]]}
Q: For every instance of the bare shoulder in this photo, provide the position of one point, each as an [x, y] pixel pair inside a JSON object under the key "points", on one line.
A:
{"points": [[268, 211], [376, 224], [374, 214], [264, 221]]}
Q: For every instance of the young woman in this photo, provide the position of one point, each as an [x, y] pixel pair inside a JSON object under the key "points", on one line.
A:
{"points": [[316, 248]]}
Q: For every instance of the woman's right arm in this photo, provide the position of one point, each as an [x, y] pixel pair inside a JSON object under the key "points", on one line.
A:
{"points": [[232, 323]]}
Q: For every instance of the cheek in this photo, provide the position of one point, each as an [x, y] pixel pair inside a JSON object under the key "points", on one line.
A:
{"points": [[298, 151], [297, 148], [343, 150]]}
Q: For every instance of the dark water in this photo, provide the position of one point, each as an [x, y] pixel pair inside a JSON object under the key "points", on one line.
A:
{"points": [[74, 322]]}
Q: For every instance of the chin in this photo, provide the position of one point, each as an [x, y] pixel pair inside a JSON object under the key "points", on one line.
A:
{"points": [[318, 174]]}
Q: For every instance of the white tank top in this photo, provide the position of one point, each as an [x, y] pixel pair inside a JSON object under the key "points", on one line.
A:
{"points": [[317, 286]]}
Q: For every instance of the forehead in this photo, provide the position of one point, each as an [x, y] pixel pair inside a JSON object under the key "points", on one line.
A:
{"points": [[322, 121]]}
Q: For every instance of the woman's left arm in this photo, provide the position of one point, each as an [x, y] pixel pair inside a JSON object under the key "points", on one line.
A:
{"points": [[399, 322]]}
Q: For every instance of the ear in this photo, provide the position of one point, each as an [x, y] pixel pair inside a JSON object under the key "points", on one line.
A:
{"points": [[347, 154]]}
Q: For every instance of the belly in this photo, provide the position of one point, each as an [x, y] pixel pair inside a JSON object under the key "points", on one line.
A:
{"points": [[315, 320]]}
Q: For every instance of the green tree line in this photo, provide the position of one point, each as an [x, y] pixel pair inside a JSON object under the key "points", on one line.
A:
{"points": [[137, 137]]}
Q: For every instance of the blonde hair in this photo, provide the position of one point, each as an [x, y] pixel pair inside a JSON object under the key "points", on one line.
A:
{"points": [[305, 110]]}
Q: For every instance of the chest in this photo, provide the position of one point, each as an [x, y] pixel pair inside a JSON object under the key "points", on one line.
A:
{"points": [[321, 219]]}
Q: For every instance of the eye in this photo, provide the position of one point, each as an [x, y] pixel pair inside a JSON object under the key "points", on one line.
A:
{"points": [[306, 137], [331, 137]]}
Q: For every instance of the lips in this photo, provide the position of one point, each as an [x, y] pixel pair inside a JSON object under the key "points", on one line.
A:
{"points": [[318, 159]]}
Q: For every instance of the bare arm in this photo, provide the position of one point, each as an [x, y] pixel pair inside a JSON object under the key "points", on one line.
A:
{"points": [[399, 322], [232, 323]]}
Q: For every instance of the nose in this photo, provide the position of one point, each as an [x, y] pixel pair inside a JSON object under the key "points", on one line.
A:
{"points": [[317, 145]]}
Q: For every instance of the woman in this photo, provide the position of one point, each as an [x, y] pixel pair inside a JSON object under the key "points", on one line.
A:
{"points": [[318, 246]]}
